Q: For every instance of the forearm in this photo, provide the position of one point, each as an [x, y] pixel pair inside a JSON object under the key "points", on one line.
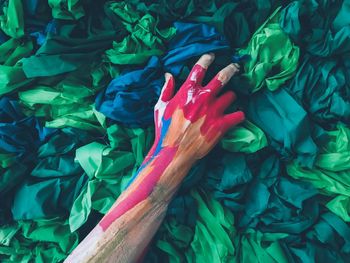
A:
{"points": [[136, 215], [188, 125]]}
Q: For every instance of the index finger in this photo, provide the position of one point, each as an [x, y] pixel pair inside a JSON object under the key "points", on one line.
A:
{"points": [[222, 78], [200, 68]]}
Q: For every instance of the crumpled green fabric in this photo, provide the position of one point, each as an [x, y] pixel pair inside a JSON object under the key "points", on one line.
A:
{"points": [[67, 102], [172, 10], [331, 173], [11, 73], [11, 19], [320, 27], [36, 241], [12, 173], [100, 161], [255, 187], [99, 195], [256, 246], [11, 78], [15, 48], [213, 232], [20, 137], [322, 87], [109, 168], [242, 178], [273, 57], [70, 45], [291, 133], [326, 241], [145, 39], [56, 180], [69, 10], [276, 237], [211, 238], [246, 138], [247, 17], [237, 20]]}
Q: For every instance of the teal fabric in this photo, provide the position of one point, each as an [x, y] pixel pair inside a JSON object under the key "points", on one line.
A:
{"points": [[320, 27], [275, 189], [327, 96]]}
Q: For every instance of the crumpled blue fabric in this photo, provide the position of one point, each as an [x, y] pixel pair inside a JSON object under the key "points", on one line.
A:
{"points": [[41, 35], [130, 97], [3, 37], [20, 135], [39, 169], [191, 40]]}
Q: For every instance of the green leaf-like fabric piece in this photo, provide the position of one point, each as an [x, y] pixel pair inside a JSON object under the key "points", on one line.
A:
{"points": [[101, 161], [331, 173], [274, 58], [322, 87], [145, 39], [56, 180], [11, 20], [13, 50], [210, 239], [12, 76], [320, 27], [67, 102], [260, 247], [67, 9], [109, 168], [246, 138], [213, 232], [36, 241]]}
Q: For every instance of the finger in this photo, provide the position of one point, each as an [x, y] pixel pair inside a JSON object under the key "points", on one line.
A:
{"points": [[221, 104], [222, 78], [168, 88], [198, 71], [232, 119]]}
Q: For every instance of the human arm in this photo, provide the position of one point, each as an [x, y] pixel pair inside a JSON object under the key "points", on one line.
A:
{"points": [[188, 125]]}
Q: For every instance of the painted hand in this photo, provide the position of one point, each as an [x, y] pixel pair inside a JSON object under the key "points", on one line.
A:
{"points": [[193, 120]]}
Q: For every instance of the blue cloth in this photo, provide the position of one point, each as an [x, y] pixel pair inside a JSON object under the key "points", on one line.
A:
{"points": [[191, 40], [130, 98], [3, 37], [20, 135], [51, 28]]}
